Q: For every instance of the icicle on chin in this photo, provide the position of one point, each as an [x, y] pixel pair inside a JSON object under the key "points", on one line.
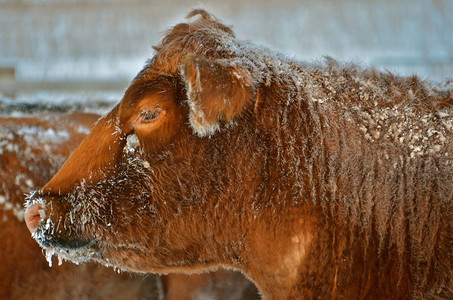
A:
{"points": [[49, 253], [60, 259]]}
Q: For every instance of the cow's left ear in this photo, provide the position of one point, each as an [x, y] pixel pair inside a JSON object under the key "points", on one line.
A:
{"points": [[216, 92]]}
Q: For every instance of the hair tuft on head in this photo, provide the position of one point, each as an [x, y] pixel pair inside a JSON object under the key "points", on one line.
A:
{"points": [[204, 14]]}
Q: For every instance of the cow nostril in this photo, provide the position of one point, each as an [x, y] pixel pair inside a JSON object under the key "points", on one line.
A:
{"points": [[32, 217]]}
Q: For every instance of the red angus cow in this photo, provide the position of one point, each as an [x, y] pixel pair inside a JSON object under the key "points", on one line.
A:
{"points": [[315, 180]]}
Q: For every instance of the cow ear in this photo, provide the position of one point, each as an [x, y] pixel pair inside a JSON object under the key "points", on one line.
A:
{"points": [[216, 92]]}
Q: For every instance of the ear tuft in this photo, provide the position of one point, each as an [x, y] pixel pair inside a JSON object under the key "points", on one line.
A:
{"points": [[216, 92]]}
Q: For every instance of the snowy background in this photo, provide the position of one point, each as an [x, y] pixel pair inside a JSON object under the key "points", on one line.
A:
{"points": [[87, 51]]}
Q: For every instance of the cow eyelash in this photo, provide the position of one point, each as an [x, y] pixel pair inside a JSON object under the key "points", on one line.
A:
{"points": [[147, 115]]}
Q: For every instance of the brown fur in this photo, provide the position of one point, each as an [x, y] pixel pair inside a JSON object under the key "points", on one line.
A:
{"points": [[315, 180]]}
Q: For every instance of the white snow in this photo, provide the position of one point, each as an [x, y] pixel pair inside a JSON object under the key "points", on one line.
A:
{"points": [[132, 143], [83, 130], [34, 135], [16, 209]]}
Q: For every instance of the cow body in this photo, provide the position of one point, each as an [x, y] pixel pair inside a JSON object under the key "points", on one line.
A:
{"points": [[315, 180]]}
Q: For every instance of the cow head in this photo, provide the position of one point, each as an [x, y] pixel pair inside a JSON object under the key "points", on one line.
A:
{"points": [[146, 187]]}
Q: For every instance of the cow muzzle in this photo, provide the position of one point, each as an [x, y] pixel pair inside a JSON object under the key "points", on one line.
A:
{"points": [[52, 238], [46, 226]]}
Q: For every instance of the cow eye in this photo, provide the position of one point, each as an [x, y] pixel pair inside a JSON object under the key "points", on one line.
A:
{"points": [[149, 115]]}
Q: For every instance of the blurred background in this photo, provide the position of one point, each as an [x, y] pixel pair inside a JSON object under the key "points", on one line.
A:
{"points": [[87, 51]]}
